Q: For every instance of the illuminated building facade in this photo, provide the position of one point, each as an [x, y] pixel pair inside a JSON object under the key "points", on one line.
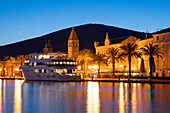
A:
{"points": [[162, 65]]}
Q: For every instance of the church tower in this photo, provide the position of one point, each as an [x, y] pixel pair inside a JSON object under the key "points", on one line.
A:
{"points": [[73, 44], [48, 48]]}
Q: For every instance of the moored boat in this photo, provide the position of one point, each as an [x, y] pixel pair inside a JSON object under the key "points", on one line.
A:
{"points": [[50, 67]]}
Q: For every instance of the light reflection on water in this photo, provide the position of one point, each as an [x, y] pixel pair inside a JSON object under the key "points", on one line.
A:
{"points": [[93, 98], [83, 97], [17, 96]]}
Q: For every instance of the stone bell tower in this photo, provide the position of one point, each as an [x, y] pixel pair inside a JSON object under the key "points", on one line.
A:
{"points": [[73, 44]]}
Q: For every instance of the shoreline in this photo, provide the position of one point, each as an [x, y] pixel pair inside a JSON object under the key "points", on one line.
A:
{"points": [[153, 81]]}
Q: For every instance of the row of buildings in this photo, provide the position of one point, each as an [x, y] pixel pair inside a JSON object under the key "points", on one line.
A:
{"points": [[162, 39], [162, 66]]}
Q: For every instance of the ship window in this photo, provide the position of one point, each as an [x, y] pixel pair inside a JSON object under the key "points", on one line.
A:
{"points": [[40, 71], [34, 63], [46, 71], [68, 63], [30, 64], [69, 70], [36, 70], [52, 71], [35, 57], [39, 63]]}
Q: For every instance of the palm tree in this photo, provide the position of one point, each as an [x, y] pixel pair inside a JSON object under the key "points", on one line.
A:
{"points": [[152, 50], [113, 54], [84, 58], [99, 59], [129, 50]]}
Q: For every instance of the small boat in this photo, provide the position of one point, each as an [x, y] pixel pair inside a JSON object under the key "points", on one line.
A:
{"points": [[50, 67]]}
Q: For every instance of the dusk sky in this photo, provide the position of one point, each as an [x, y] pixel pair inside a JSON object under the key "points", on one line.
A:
{"points": [[25, 19]]}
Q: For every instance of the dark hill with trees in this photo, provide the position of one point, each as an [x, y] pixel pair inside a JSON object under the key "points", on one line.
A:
{"points": [[162, 31], [87, 35]]}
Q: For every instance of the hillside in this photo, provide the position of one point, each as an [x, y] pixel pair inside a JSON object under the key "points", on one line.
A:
{"points": [[87, 35], [162, 31]]}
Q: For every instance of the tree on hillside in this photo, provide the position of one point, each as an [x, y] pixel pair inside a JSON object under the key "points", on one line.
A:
{"points": [[152, 50], [129, 50]]}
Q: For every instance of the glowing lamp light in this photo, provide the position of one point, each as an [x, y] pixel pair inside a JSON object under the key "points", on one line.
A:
{"points": [[78, 67], [121, 65], [90, 67], [95, 66], [133, 68], [149, 70], [0, 69], [125, 73], [16, 69]]}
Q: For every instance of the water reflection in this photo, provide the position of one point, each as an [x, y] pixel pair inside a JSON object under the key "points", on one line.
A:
{"points": [[121, 99], [83, 97], [1, 95], [17, 96], [51, 97], [93, 98]]}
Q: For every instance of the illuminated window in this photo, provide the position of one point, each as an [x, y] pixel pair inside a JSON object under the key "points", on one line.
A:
{"points": [[68, 63], [36, 70], [35, 57], [64, 62], [34, 64]]}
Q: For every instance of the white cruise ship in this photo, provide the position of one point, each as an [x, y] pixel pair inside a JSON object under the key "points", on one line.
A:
{"points": [[50, 66]]}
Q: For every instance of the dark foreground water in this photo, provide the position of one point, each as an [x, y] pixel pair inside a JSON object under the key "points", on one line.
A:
{"points": [[83, 97]]}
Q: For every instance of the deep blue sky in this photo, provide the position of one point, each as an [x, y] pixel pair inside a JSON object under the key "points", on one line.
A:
{"points": [[24, 19]]}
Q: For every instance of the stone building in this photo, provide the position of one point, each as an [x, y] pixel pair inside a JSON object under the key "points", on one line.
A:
{"points": [[162, 65], [73, 45]]}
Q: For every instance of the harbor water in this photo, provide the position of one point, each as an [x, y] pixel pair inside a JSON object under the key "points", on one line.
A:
{"points": [[18, 96]]}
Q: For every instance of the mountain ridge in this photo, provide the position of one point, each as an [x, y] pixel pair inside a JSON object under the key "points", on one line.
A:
{"points": [[87, 34]]}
